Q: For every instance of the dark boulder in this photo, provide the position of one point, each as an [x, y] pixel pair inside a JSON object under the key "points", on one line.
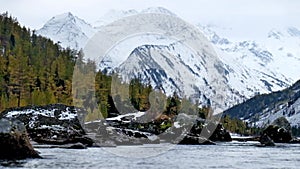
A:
{"points": [[265, 140], [51, 124], [14, 142], [106, 135], [278, 134], [295, 141], [199, 132], [219, 133], [279, 131], [135, 136], [212, 130], [194, 140]]}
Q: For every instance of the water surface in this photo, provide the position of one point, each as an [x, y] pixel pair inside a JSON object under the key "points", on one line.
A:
{"points": [[222, 155]]}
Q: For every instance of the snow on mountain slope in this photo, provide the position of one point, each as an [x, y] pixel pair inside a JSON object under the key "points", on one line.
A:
{"points": [[277, 54], [175, 68], [158, 10], [114, 15], [250, 66], [189, 66], [71, 31], [123, 49], [284, 44], [67, 29]]}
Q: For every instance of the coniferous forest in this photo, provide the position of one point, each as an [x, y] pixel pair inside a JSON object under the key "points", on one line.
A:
{"points": [[33, 69]]}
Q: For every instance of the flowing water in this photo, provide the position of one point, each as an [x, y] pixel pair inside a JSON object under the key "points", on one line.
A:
{"points": [[223, 155]]}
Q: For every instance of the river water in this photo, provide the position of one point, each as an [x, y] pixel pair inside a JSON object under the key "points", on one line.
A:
{"points": [[223, 155]]}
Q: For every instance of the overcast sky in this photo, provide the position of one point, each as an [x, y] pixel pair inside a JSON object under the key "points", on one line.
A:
{"points": [[250, 15]]}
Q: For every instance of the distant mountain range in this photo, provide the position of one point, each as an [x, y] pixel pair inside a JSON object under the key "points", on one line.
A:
{"points": [[247, 68]]}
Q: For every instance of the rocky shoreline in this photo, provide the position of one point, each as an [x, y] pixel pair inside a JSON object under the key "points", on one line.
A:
{"points": [[61, 126]]}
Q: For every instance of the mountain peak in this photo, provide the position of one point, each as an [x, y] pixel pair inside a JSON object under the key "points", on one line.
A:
{"points": [[64, 17], [114, 15], [67, 14], [68, 29], [158, 10]]}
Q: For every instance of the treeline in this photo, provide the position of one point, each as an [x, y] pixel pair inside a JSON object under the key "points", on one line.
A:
{"points": [[33, 69], [239, 126], [106, 95]]}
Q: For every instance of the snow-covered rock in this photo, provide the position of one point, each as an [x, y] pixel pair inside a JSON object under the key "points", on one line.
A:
{"points": [[56, 123], [132, 116]]}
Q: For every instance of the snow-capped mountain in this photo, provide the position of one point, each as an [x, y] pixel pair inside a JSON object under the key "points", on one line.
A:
{"points": [[277, 54], [68, 30], [251, 65], [174, 68], [247, 67], [187, 66], [273, 59], [71, 31]]}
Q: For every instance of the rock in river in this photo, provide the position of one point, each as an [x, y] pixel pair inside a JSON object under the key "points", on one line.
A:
{"points": [[14, 142], [195, 140], [265, 140], [200, 132], [106, 135], [279, 131], [51, 124]]}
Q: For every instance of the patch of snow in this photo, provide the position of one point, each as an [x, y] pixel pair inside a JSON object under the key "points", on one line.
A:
{"points": [[135, 116], [52, 127], [177, 125], [67, 115], [46, 113]]}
